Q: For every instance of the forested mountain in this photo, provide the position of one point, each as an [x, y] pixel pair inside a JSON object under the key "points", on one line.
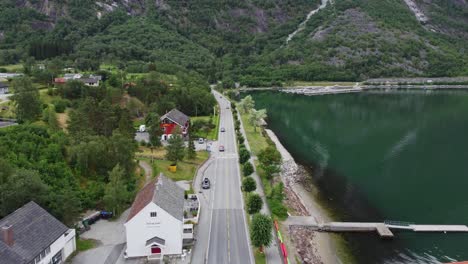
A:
{"points": [[245, 40]]}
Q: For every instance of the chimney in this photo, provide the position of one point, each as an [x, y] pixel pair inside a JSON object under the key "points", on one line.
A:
{"points": [[7, 235]]}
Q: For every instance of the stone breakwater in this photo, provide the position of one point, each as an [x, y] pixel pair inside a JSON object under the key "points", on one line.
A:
{"points": [[311, 247]]}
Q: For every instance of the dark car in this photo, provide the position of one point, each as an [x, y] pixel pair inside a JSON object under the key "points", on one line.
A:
{"points": [[205, 183]]}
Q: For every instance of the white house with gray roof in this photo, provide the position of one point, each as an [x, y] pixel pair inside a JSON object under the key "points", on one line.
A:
{"points": [[30, 235], [155, 225]]}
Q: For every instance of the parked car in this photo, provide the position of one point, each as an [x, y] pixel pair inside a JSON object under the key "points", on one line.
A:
{"points": [[201, 141], [205, 183], [227, 107], [221, 148], [142, 128], [222, 129]]}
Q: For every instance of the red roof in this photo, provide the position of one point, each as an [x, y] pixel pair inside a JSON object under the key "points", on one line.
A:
{"points": [[143, 198], [60, 80]]}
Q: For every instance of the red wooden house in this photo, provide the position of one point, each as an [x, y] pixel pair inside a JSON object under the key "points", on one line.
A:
{"points": [[173, 119]]}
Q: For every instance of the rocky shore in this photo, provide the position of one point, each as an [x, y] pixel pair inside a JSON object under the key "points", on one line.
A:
{"points": [[311, 247]]}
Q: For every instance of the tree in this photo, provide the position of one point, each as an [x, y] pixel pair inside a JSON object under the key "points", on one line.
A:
{"points": [[21, 187], [244, 155], [270, 160], [52, 119], [247, 169], [155, 132], [125, 124], [246, 104], [191, 153], [256, 117], [175, 149], [116, 195], [26, 97], [254, 203], [65, 204], [249, 184], [260, 231]]}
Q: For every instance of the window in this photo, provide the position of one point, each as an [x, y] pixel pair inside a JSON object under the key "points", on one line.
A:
{"points": [[153, 214]]}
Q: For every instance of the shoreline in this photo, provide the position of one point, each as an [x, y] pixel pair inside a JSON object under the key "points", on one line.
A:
{"points": [[324, 245]]}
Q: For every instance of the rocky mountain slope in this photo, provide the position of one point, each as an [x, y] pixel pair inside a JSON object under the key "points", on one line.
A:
{"points": [[245, 40]]}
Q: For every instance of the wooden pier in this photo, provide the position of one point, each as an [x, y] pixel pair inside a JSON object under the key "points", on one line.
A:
{"points": [[382, 229]]}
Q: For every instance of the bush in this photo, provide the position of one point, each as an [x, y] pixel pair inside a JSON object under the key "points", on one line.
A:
{"points": [[278, 209], [249, 184], [241, 140], [247, 169], [254, 203], [244, 155], [242, 146], [60, 105]]}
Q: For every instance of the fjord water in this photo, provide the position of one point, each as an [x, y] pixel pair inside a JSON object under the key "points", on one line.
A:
{"points": [[378, 156]]}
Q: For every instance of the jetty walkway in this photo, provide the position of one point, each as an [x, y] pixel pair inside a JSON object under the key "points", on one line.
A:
{"points": [[382, 229]]}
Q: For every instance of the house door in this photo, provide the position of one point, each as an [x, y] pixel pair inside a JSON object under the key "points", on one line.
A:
{"points": [[155, 250]]}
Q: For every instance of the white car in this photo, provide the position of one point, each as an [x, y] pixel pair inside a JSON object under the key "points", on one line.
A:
{"points": [[223, 130], [201, 141]]}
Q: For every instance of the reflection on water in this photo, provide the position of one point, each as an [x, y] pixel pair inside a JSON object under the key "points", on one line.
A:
{"points": [[384, 156]]}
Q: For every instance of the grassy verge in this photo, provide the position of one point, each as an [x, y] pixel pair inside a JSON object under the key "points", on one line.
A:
{"points": [[259, 257], [214, 133], [85, 244], [7, 109], [13, 67], [255, 137], [185, 169]]}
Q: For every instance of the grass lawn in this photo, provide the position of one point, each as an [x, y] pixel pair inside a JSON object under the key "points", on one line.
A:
{"points": [[256, 140], [85, 244], [13, 67], [9, 111], [157, 153], [46, 98], [185, 169], [259, 257], [137, 122]]}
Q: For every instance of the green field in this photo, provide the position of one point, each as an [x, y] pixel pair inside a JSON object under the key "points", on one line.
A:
{"points": [[185, 169]]}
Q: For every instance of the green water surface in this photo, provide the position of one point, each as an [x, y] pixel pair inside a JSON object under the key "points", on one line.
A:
{"points": [[384, 156]]}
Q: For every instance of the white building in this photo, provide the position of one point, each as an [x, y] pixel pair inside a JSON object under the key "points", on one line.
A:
{"points": [[30, 235], [155, 226]]}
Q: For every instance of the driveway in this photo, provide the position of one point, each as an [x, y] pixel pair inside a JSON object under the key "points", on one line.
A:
{"points": [[110, 236]]}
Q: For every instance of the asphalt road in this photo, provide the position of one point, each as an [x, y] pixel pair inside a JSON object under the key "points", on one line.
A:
{"points": [[228, 240]]}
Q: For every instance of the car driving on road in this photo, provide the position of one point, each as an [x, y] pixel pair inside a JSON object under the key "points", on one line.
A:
{"points": [[222, 129], [221, 148], [205, 183]]}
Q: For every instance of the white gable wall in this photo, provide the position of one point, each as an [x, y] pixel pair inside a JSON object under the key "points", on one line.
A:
{"points": [[65, 244], [142, 227]]}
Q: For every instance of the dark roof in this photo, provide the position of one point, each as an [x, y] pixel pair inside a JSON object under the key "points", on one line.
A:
{"points": [[34, 229], [88, 80], [143, 198], [164, 193], [170, 197], [3, 85], [176, 116], [156, 240]]}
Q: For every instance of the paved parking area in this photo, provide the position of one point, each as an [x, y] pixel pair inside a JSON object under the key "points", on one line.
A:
{"points": [[111, 242]]}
